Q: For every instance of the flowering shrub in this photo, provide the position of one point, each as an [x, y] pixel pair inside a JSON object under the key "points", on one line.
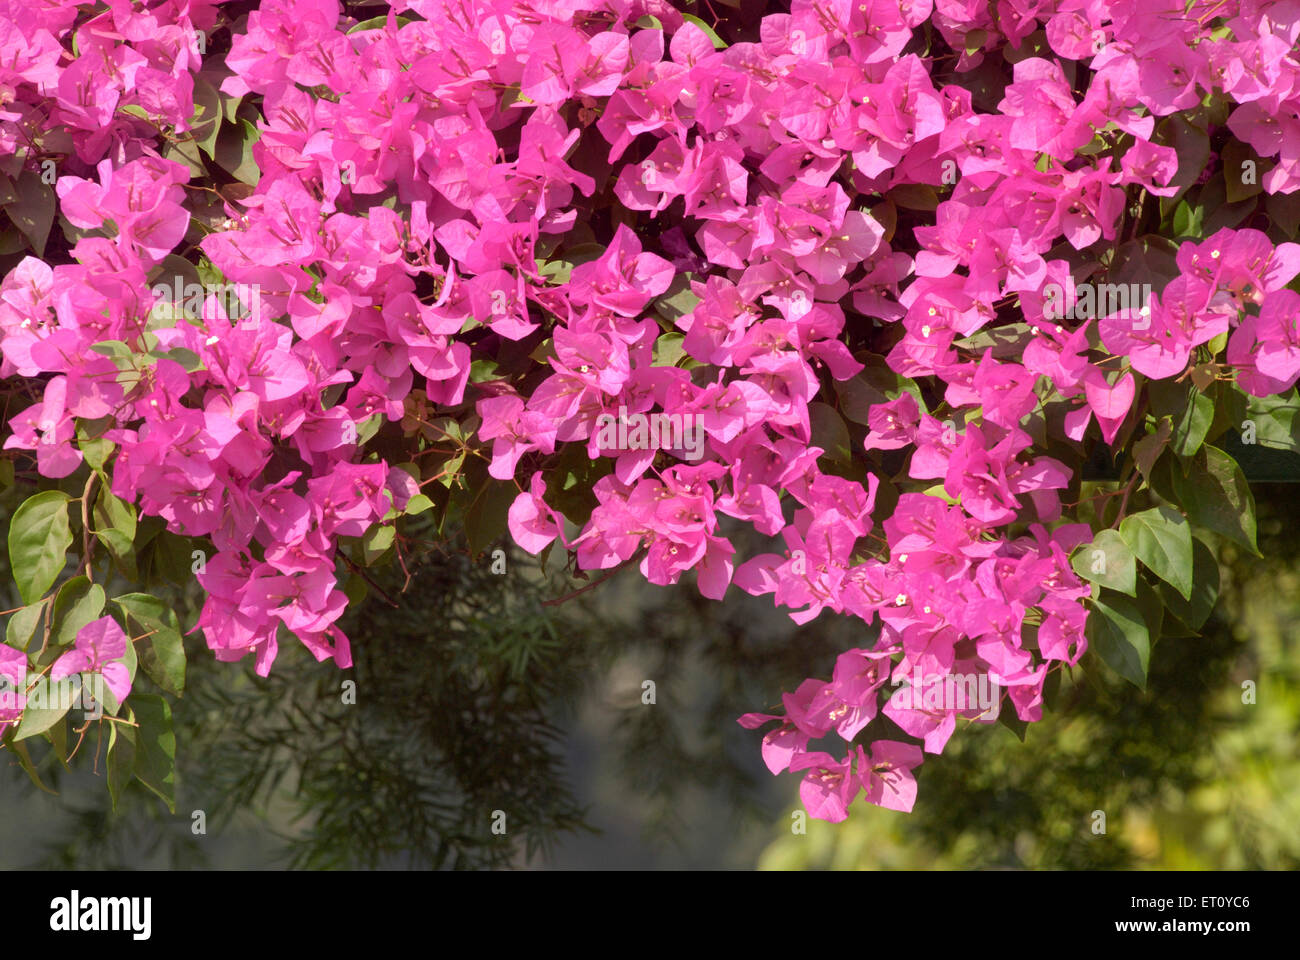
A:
{"points": [[911, 268]]}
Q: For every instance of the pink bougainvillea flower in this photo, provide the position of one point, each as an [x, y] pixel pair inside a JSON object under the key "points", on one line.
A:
{"points": [[100, 648]]}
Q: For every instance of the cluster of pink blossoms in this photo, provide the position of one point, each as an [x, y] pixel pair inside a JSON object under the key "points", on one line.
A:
{"points": [[768, 149]]}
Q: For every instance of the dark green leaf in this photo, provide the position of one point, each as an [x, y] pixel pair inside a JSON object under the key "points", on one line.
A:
{"points": [[121, 760], [378, 23], [718, 43], [1118, 632], [1242, 170], [1216, 496], [77, 603], [25, 761], [162, 654], [485, 517], [155, 759], [914, 196], [376, 541], [46, 705], [234, 151], [22, 625], [1190, 142], [39, 538], [1008, 340], [829, 432], [1205, 592], [33, 211], [1162, 539], [1147, 450], [206, 122], [1107, 561]]}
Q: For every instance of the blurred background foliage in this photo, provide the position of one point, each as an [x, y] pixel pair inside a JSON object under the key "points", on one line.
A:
{"points": [[473, 696], [1188, 775]]}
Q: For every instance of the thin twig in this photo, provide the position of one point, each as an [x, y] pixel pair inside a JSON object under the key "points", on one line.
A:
{"points": [[87, 544], [595, 583], [366, 577]]}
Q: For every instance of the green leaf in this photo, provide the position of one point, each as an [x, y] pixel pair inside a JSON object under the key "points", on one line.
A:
{"points": [[12, 241], [417, 505], [113, 349], [162, 655], [376, 541], [1205, 592], [1189, 433], [155, 759], [1117, 630], [914, 196], [25, 761], [77, 603], [187, 152], [121, 760], [1147, 259], [668, 349], [206, 122], [355, 589], [1227, 215], [974, 42], [39, 538], [717, 41], [485, 517], [115, 526], [33, 211], [1008, 340], [209, 274], [1152, 608], [96, 452], [378, 23], [874, 385], [1189, 221], [1283, 211], [1190, 142], [558, 271], [829, 432], [1236, 160], [1052, 688], [678, 301], [186, 358], [483, 369], [1216, 496], [234, 151], [1147, 450], [1192, 413], [22, 625], [1107, 561], [48, 705], [1008, 717], [1162, 539], [938, 491], [1273, 421], [885, 213]]}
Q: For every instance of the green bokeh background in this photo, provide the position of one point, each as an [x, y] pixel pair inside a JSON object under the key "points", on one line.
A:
{"points": [[473, 697]]}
